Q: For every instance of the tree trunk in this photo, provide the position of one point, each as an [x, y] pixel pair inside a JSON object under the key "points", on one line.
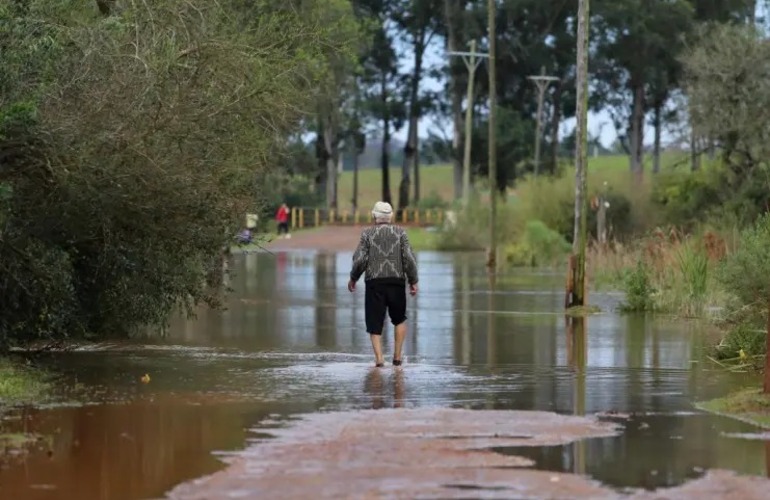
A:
{"points": [[453, 13], [656, 149], [356, 158], [385, 161], [417, 172], [555, 124], [331, 155], [637, 131], [694, 153], [712, 149], [410, 148], [493, 194], [576, 288], [321, 155], [767, 356]]}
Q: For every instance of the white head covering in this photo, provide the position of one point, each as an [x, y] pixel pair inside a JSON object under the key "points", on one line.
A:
{"points": [[382, 212]]}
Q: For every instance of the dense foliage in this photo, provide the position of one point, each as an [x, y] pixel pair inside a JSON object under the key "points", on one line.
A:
{"points": [[133, 137]]}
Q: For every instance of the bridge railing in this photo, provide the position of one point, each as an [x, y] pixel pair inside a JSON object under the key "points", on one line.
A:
{"points": [[303, 217]]}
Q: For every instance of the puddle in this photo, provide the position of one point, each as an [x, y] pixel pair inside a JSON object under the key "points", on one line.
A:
{"points": [[654, 451]]}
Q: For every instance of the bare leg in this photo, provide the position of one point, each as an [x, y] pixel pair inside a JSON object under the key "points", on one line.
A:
{"points": [[400, 337], [377, 346]]}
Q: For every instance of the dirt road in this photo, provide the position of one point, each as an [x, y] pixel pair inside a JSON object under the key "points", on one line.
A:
{"points": [[429, 453], [325, 239]]}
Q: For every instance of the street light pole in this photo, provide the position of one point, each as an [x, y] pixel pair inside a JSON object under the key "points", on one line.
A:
{"points": [[472, 60], [541, 81]]}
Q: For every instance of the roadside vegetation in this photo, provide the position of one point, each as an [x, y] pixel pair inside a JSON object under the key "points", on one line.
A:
{"points": [[20, 383], [749, 405], [133, 138]]}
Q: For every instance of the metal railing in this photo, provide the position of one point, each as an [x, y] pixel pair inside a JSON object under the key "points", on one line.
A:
{"points": [[302, 217]]}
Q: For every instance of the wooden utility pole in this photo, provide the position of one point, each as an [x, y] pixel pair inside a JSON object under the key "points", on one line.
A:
{"points": [[472, 60], [576, 284], [541, 81], [492, 258]]}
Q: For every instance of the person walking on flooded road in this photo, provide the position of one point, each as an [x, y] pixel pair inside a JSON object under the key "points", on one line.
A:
{"points": [[387, 258]]}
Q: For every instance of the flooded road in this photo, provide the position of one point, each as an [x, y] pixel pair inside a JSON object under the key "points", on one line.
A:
{"points": [[292, 342]]}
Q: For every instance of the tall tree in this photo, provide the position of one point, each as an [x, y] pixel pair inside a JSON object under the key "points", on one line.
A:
{"points": [[632, 37], [381, 78], [417, 20], [335, 90]]}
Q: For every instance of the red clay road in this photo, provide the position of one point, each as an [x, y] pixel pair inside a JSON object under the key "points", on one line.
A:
{"points": [[325, 239]]}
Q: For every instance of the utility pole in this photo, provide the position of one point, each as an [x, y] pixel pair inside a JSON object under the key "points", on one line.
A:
{"points": [[576, 284], [472, 60], [492, 258], [541, 81]]}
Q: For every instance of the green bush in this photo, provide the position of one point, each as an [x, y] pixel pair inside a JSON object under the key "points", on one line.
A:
{"points": [[694, 268], [538, 246], [639, 290], [684, 198], [745, 272], [744, 276], [118, 199], [552, 201], [432, 201], [742, 338], [471, 231]]}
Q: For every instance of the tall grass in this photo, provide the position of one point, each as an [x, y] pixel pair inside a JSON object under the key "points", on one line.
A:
{"points": [[665, 272]]}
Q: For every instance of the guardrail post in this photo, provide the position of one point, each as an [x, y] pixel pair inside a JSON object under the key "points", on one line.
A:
{"points": [[301, 218], [317, 218]]}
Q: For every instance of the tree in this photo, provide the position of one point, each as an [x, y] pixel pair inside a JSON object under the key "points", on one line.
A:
{"points": [[132, 147], [416, 18], [338, 85], [726, 81], [455, 21], [635, 40], [381, 81]]}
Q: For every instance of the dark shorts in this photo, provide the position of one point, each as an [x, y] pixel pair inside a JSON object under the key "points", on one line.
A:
{"points": [[381, 297]]}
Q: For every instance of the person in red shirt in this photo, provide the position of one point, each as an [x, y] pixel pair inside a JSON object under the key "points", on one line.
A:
{"points": [[282, 218]]}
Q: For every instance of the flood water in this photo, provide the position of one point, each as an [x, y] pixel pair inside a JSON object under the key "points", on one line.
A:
{"points": [[291, 341]]}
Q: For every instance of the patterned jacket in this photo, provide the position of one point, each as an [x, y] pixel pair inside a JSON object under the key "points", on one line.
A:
{"points": [[384, 252]]}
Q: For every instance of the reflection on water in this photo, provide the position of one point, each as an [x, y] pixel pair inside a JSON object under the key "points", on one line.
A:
{"points": [[386, 389], [291, 340]]}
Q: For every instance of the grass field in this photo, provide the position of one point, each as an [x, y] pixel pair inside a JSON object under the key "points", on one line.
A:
{"points": [[438, 181]]}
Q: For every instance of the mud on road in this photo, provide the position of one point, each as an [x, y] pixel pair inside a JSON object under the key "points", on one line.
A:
{"points": [[428, 453]]}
